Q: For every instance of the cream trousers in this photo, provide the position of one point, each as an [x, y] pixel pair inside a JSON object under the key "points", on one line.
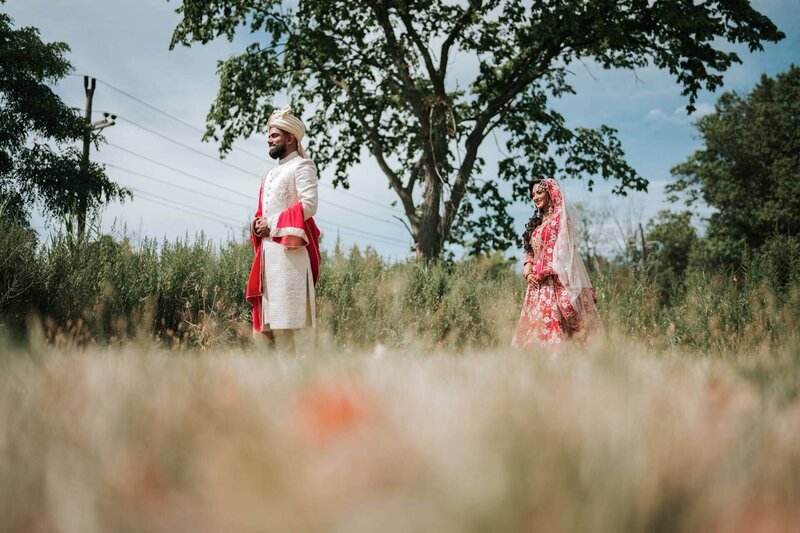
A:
{"points": [[297, 342]]}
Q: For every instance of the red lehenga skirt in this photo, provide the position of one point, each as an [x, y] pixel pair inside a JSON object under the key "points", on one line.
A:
{"points": [[547, 317]]}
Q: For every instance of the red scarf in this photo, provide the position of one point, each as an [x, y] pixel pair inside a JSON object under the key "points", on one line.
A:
{"points": [[289, 218]]}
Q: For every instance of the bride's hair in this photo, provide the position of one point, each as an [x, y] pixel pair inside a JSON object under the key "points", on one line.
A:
{"points": [[535, 220]]}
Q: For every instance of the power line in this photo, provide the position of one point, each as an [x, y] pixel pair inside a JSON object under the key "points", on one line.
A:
{"points": [[240, 169], [187, 147], [349, 229], [195, 128], [179, 171], [260, 158], [363, 199], [194, 150], [200, 211], [192, 210], [228, 221], [140, 191], [173, 117], [364, 232], [378, 219], [157, 201], [150, 106], [170, 184], [327, 202], [168, 204]]}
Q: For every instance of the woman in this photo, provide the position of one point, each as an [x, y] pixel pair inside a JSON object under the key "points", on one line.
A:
{"points": [[559, 301]]}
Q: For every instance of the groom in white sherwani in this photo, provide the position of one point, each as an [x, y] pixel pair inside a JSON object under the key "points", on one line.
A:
{"points": [[282, 282]]}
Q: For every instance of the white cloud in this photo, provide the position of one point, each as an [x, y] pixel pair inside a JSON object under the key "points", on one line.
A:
{"points": [[656, 114], [702, 109], [679, 115]]}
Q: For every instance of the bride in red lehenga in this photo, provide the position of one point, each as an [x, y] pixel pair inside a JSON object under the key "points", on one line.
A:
{"points": [[559, 302]]}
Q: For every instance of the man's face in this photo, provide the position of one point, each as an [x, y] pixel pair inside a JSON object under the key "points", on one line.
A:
{"points": [[278, 141]]}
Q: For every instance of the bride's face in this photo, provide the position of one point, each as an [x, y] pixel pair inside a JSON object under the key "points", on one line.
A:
{"points": [[540, 197]]}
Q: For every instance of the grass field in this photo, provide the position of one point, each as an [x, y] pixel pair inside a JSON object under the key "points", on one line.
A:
{"points": [[132, 399], [608, 437]]}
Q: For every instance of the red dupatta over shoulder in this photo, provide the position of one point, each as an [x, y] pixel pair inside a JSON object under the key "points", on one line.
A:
{"points": [[290, 219]]}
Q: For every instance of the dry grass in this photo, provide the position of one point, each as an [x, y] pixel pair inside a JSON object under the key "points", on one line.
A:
{"points": [[606, 438]]}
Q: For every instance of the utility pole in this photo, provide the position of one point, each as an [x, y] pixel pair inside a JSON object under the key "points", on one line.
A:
{"points": [[83, 191], [89, 85], [644, 247]]}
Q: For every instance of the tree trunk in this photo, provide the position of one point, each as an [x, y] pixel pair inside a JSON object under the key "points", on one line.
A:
{"points": [[430, 237]]}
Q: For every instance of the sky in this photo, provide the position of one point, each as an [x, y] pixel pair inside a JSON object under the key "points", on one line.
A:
{"points": [[182, 188]]}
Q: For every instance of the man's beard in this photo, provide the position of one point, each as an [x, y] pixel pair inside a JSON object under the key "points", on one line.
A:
{"points": [[276, 152]]}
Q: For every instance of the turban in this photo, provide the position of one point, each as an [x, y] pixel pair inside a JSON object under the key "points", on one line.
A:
{"points": [[284, 119]]}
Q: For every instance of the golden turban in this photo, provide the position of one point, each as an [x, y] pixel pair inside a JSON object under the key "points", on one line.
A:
{"points": [[284, 119]]}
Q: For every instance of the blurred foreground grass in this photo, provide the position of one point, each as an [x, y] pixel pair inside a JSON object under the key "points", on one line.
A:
{"points": [[609, 437], [132, 398]]}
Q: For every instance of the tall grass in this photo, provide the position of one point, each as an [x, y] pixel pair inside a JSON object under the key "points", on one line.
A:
{"points": [[189, 293]]}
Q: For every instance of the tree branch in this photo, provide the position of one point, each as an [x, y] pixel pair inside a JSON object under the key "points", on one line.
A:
{"points": [[396, 53], [412, 178], [410, 232], [455, 32], [481, 129], [437, 78], [394, 179]]}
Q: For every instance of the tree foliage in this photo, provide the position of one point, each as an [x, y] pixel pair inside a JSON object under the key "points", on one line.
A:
{"points": [[671, 242], [422, 84], [749, 168], [38, 132]]}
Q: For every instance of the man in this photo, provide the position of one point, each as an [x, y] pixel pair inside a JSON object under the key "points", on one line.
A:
{"points": [[281, 286]]}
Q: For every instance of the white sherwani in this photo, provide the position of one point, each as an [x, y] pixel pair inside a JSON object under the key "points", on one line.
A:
{"points": [[288, 296]]}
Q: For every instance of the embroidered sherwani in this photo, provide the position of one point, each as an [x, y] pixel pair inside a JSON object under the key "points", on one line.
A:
{"points": [[287, 291]]}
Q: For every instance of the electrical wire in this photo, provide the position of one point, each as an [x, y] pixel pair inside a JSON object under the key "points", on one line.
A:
{"points": [[357, 232], [211, 183], [199, 130], [230, 165]]}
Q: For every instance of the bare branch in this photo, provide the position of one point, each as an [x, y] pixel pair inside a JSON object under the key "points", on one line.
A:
{"points": [[412, 178], [407, 227]]}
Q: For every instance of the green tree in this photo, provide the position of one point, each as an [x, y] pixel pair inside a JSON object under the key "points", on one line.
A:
{"points": [[670, 243], [38, 158], [391, 77], [749, 168]]}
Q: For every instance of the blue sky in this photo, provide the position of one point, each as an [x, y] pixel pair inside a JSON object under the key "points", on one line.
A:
{"points": [[124, 43]]}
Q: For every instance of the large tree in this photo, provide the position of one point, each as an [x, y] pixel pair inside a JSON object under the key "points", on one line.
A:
{"points": [[748, 170], [39, 162], [381, 75]]}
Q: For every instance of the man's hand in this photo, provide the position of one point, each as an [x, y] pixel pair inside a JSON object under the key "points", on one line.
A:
{"points": [[260, 227]]}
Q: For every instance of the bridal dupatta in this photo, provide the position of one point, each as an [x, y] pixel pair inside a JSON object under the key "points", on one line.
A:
{"points": [[567, 263]]}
